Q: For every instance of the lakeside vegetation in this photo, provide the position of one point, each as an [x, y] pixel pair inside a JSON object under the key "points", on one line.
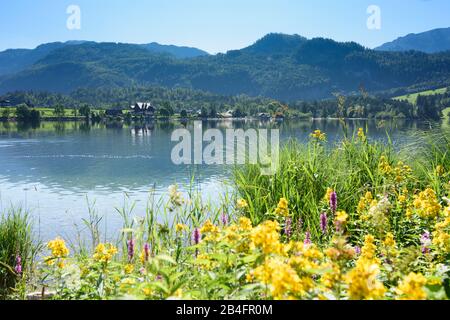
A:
{"points": [[186, 103], [359, 220]]}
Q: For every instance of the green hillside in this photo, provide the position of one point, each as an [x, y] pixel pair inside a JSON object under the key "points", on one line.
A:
{"points": [[412, 98], [278, 66]]}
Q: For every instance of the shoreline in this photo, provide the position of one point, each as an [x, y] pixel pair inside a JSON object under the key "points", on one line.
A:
{"points": [[112, 120]]}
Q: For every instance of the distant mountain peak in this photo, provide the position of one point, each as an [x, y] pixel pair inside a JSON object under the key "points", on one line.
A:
{"points": [[274, 43], [432, 41], [180, 52]]}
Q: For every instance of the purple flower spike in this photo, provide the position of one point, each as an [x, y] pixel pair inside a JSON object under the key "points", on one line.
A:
{"points": [[224, 219], [146, 251], [18, 267], [333, 202], [196, 236], [358, 250], [323, 222], [130, 245], [288, 228], [307, 241], [425, 240]]}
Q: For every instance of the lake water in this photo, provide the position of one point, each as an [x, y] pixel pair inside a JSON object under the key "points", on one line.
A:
{"points": [[55, 169]]}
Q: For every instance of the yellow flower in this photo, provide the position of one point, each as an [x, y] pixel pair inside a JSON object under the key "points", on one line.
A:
{"points": [[283, 281], [441, 235], [179, 228], [242, 204], [104, 252], [147, 291], [328, 195], [440, 171], [211, 231], [209, 227], [178, 293], [447, 212], [129, 268], [341, 217], [361, 134], [58, 248], [389, 241], [427, 204], [267, 237], [319, 135], [282, 208], [384, 165], [389, 246], [362, 281], [412, 287], [368, 251], [245, 224]]}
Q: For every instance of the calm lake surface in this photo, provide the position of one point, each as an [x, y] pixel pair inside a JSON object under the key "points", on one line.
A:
{"points": [[56, 169]]}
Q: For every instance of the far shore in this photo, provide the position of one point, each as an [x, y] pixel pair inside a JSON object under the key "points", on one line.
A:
{"points": [[152, 119]]}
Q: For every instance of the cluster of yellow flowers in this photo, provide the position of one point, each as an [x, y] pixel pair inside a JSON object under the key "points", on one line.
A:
{"points": [[179, 228], [319, 135], [59, 252], [412, 287], [282, 208], [441, 235], [427, 204], [297, 270], [365, 202], [242, 204], [58, 248], [267, 237], [399, 172], [104, 252], [362, 280], [210, 231]]}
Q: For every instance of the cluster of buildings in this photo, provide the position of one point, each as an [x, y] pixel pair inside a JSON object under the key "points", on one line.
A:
{"points": [[144, 109]]}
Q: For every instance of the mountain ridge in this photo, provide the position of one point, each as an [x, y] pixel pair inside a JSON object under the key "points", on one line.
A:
{"points": [[432, 41], [279, 66]]}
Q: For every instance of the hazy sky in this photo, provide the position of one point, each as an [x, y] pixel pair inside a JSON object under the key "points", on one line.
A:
{"points": [[214, 25]]}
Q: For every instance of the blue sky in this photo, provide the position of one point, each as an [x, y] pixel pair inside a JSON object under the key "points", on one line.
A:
{"points": [[214, 25]]}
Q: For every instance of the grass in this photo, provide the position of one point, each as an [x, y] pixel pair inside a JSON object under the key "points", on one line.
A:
{"points": [[49, 112], [351, 168], [446, 113], [412, 98], [16, 240]]}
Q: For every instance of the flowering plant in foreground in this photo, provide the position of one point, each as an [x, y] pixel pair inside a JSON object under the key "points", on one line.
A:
{"points": [[393, 243], [241, 260]]}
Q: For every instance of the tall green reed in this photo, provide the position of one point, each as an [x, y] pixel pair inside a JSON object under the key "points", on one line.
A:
{"points": [[18, 249]]}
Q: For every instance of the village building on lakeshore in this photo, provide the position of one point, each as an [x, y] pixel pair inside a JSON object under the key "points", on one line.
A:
{"points": [[145, 109]]}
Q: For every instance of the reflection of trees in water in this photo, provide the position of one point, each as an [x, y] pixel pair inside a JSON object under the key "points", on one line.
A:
{"points": [[60, 127], [166, 126], [84, 127]]}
